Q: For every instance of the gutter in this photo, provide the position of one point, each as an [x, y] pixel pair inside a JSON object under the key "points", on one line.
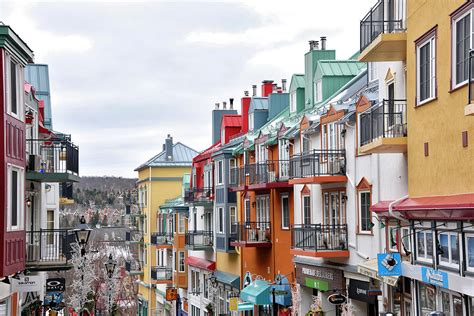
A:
{"points": [[390, 209]]}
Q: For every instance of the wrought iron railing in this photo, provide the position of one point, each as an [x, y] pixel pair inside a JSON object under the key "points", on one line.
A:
{"points": [[53, 156], [134, 236], [161, 273], [387, 120], [318, 237], [318, 163], [199, 238], [381, 19], [251, 232], [161, 238], [48, 246], [198, 195], [260, 172]]}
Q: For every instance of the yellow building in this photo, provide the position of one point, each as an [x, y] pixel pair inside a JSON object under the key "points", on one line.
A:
{"points": [[159, 179]]}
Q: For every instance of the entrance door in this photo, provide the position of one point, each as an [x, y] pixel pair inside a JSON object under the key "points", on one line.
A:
{"points": [[332, 233], [390, 108]]}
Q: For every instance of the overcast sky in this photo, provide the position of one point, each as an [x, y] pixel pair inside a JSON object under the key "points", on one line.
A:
{"points": [[124, 74]]}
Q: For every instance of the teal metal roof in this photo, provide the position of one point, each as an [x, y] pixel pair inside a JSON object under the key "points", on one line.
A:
{"points": [[258, 103], [340, 67], [257, 293], [182, 157], [176, 204], [228, 278], [299, 80]]}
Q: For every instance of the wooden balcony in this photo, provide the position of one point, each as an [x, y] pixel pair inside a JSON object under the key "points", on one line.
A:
{"points": [[251, 234], [318, 166], [383, 128], [317, 240], [383, 35]]}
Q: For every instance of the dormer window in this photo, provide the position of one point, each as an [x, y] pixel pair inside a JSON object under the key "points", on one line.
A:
{"points": [[251, 121], [293, 104], [318, 91]]}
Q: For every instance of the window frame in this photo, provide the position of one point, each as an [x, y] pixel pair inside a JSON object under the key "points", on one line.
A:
{"points": [[318, 91], [183, 262], [449, 263], [19, 77], [303, 198], [371, 72], [283, 226], [220, 172], [247, 211], [368, 231], [454, 21], [181, 221], [220, 219], [233, 219], [20, 198], [293, 101], [429, 39], [466, 248], [232, 165], [425, 258]]}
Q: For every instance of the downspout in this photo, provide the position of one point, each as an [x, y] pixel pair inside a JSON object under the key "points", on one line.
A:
{"points": [[390, 209]]}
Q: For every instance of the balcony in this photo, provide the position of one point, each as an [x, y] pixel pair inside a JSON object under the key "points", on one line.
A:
{"points": [[318, 166], [251, 234], [162, 239], [199, 240], [383, 129], [48, 249], [199, 196], [134, 237], [134, 267], [317, 240], [162, 275], [53, 160], [469, 108], [261, 175], [383, 33]]}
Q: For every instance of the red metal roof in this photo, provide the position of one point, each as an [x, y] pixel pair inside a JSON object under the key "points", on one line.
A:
{"points": [[459, 206], [232, 120], [201, 263], [206, 153]]}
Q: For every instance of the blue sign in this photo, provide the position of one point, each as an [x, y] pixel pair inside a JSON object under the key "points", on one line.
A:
{"points": [[389, 264], [435, 277], [53, 300]]}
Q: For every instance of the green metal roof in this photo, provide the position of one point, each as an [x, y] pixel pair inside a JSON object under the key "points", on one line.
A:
{"points": [[174, 204], [340, 67], [299, 80]]}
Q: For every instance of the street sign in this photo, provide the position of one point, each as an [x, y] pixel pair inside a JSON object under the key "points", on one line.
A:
{"points": [[337, 299], [171, 294]]}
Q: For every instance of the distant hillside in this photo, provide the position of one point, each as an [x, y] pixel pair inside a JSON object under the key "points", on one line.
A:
{"points": [[106, 183], [101, 191]]}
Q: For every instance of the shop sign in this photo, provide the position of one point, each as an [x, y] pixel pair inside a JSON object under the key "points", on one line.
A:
{"points": [[389, 264], [54, 300], [171, 294], [361, 291], [435, 277], [55, 285], [233, 304], [323, 279], [337, 299], [30, 283]]}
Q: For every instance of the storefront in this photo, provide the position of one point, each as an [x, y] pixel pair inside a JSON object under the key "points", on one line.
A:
{"points": [[316, 285], [365, 293], [257, 293]]}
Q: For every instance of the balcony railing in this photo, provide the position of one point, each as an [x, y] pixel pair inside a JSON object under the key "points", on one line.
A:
{"points": [[134, 236], [52, 156], [48, 246], [318, 163], [251, 232], [387, 120], [195, 195], [318, 237], [199, 238], [380, 20], [160, 273], [259, 173], [161, 238], [135, 267]]}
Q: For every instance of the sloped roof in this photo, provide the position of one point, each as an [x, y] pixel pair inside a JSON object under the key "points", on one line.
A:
{"points": [[298, 80], [232, 120], [258, 103], [182, 157], [340, 67]]}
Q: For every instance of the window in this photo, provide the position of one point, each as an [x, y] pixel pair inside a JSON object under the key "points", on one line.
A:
{"points": [[406, 245], [333, 210], [195, 280], [318, 91], [263, 210], [220, 179], [426, 70], [424, 245], [262, 153], [251, 121], [451, 303], [15, 198], [462, 40], [306, 210], [372, 71], [285, 212], [14, 83], [427, 298], [195, 311], [50, 226], [247, 212], [293, 104], [205, 285], [181, 265], [181, 223], [232, 170], [364, 212], [233, 219], [220, 223], [449, 248], [331, 137], [305, 144], [470, 252]]}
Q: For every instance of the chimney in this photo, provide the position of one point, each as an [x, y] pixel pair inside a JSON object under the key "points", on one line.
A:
{"points": [[246, 93], [254, 90], [313, 45], [217, 106], [244, 112], [274, 88], [267, 87], [231, 103], [283, 85], [169, 148], [323, 42], [224, 105]]}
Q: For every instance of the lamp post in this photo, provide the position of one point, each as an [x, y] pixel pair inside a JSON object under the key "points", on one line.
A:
{"points": [[82, 233], [110, 268]]}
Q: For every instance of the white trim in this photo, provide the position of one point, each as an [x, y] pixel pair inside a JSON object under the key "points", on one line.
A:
{"points": [[432, 65], [220, 172], [19, 89], [232, 209], [220, 212], [303, 196], [21, 197], [454, 50], [285, 196], [184, 263], [293, 101], [360, 230], [425, 257], [468, 235], [450, 263]]}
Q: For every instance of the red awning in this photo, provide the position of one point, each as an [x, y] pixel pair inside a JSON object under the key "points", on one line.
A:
{"points": [[456, 207], [201, 263]]}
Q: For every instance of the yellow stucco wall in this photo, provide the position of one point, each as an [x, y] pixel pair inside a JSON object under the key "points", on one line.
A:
{"points": [[162, 183], [449, 167]]}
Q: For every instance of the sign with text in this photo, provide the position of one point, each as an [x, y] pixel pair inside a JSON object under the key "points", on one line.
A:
{"points": [[389, 264], [361, 291], [323, 279], [337, 299], [435, 277], [27, 283], [55, 285]]}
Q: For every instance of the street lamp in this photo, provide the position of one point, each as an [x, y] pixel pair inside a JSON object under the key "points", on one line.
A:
{"points": [[82, 233], [110, 266]]}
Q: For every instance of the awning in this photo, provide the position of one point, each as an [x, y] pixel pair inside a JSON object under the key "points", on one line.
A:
{"points": [[282, 291], [238, 150], [227, 278], [257, 293], [245, 307], [370, 269], [201, 263]]}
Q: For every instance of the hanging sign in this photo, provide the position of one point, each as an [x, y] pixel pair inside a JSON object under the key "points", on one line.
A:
{"points": [[55, 285], [30, 283], [389, 264], [233, 304], [171, 294], [337, 299], [435, 277]]}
